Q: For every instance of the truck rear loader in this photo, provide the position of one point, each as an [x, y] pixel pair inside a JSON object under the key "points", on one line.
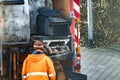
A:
{"points": [[23, 21]]}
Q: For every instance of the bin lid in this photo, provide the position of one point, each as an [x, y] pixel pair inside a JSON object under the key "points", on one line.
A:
{"points": [[56, 19], [47, 12]]}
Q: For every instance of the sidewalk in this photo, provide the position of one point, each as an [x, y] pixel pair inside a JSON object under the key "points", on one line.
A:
{"points": [[101, 64]]}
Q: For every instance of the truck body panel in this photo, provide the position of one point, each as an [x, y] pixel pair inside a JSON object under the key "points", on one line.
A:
{"points": [[63, 6]]}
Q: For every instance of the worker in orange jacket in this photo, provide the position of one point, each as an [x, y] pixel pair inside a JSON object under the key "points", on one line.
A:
{"points": [[38, 66]]}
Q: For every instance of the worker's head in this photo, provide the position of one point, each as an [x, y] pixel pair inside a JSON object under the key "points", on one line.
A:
{"points": [[38, 45]]}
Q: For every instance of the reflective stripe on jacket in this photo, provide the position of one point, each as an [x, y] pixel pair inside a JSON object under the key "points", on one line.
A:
{"points": [[38, 67], [38, 74]]}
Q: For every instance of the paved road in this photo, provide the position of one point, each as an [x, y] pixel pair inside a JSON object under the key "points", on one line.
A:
{"points": [[101, 64]]}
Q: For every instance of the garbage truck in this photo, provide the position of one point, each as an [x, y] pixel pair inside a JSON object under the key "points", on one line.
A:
{"points": [[54, 22]]}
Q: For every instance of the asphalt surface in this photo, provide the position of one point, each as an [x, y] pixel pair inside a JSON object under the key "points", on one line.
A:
{"points": [[101, 63]]}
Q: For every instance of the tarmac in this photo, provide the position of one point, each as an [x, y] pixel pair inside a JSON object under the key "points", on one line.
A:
{"points": [[101, 63]]}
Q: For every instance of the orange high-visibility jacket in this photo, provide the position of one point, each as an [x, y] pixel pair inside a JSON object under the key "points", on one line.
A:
{"points": [[38, 67]]}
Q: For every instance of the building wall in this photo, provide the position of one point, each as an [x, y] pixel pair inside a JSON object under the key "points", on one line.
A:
{"points": [[1, 23], [15, 22]]}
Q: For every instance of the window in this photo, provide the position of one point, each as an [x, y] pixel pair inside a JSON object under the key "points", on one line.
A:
{"points": [[13, 2]]}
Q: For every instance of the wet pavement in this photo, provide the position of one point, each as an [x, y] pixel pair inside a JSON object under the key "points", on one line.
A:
{"points": [[101, 64]]}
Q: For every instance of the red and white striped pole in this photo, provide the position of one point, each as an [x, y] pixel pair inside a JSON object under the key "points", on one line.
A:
{"points": [[76, 8], [75, 31]]}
